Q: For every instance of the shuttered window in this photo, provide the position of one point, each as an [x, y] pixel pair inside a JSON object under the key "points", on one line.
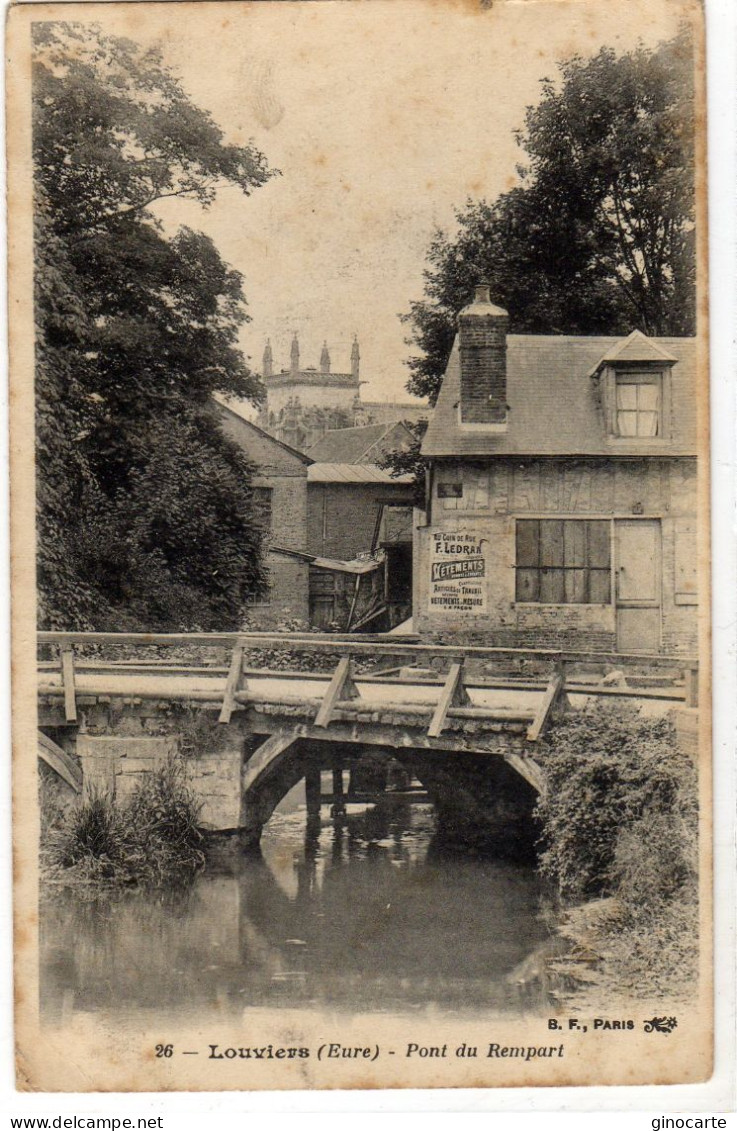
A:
{"points": [[563, 561]]}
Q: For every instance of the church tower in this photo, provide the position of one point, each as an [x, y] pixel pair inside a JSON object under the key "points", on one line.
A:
{"points": [[324, 359], [355, 357], [268, 360], [295, 355]]}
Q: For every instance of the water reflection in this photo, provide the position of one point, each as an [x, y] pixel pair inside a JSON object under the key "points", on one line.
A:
{"points": [[362, 916]]}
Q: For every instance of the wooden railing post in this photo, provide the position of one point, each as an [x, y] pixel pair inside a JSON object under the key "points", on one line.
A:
{"points": [[555, 693], [341, 687], [67, 677], [452, 694], [231, 684]]}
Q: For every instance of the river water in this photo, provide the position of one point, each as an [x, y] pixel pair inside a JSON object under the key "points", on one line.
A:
{"points": [[369, 914]]}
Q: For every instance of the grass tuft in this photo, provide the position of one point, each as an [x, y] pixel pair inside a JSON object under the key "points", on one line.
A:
{"points": [[153, 840]]}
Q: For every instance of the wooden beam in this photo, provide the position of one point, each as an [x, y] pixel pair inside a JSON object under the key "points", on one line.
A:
{"points": [[341, 687], [67, 678], [377, 644], [528, 768], [59, 761], [231, 684], [554, 690], [453, 694], [353, 602], [266, 757]]}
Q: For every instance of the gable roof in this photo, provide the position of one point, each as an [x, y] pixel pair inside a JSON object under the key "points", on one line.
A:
{"points": [[633, 349], [248, 424], [554, 403], [350, 445]]}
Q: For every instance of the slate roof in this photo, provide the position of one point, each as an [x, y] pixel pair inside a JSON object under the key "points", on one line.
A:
{"points": [[352, 473], [553, 401], [348, 445]]}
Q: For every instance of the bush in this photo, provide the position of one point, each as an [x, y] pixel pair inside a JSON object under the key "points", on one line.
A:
{"points": [[620, 819], [151, 840], [619, 807]]}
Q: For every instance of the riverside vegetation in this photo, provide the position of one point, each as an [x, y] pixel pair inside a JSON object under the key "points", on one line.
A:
{"points": [[152, 840], [619, 843]]}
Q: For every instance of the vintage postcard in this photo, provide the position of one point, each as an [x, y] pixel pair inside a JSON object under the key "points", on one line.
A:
{"points": [[360, 537]]}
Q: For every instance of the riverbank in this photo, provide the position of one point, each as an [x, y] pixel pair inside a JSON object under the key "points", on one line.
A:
{"points": [[152, 839], [620, 847]]}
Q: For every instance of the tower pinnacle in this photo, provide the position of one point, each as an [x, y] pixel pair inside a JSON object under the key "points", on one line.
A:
{"points": [[324, 359], [268, 360], [355, 357], [295, 355]]}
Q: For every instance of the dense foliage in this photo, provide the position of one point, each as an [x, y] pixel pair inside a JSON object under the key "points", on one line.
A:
{"points": [[145, 510], [613, 779], [598, 238], [620, 820]]}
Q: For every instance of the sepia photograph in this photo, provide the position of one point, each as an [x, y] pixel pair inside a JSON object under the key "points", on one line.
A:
{"points": [[360, 544]]}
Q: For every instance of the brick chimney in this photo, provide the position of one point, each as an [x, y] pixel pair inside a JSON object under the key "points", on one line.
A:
{"points": [[482, 336]]}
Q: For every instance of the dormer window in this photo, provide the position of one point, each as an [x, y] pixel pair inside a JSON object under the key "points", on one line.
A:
{"points": [[634, 390], [638, 408]]}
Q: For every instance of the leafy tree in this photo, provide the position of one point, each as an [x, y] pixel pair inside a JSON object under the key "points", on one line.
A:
{"points": [[145, 510], [408, 461], [599, 236]]}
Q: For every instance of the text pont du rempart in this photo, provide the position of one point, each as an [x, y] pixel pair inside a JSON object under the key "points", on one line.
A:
{"points": [[523, 1052]]}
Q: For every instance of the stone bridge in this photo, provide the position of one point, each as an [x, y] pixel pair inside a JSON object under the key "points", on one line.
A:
{"points": [[114, 706]]}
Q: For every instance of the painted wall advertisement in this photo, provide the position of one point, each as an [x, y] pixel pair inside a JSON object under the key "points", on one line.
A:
{"points": [[458, 572]]}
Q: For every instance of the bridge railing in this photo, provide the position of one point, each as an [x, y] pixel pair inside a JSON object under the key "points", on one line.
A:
{"points": [[347, 646], [378, 645]]}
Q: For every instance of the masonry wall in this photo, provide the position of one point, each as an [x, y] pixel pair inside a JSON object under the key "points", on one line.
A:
{"points": [[320, 396], [288, 596], [481, 526], [341, 517], [285, 475]]}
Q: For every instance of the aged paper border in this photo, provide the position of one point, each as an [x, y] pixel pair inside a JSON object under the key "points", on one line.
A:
{"points": [[21, 459]]}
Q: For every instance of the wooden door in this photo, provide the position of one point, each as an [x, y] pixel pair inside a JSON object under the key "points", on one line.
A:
{"points": [[638, 585]]}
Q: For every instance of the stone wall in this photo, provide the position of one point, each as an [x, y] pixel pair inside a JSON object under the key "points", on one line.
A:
{"points": [[284, 473], [122, 743], [495, 494]]}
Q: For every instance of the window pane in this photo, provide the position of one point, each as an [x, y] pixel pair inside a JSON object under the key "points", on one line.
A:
{"points": [[647, 397], [551, 542], [599, 534], [600, 587], [528, 542], [528, 585], [574, 537], [552, 586], [575, 586], [647, 424], [627, 423], [626, 396]]}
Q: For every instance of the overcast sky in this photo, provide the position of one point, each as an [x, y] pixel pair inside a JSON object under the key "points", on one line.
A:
{"points": [[383, 116]]}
